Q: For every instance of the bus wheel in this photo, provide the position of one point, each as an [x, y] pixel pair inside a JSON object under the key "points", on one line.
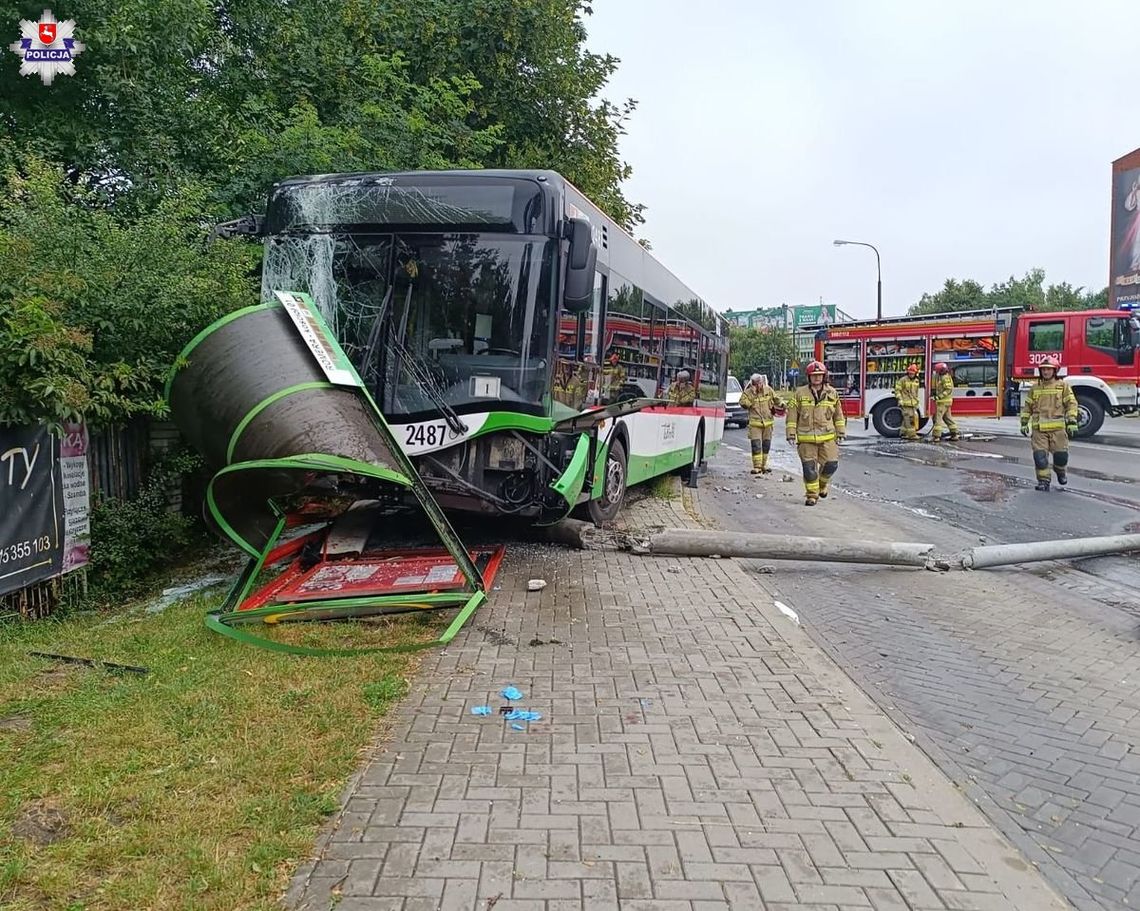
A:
{"points": [[605, 508], [1090, 416], [887, 418]]}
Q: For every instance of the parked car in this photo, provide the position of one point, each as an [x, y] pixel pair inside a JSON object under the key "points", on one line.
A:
{"points": [[734, 415]]}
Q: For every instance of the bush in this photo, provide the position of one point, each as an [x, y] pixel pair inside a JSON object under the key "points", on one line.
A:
{"points": [[132, 540]]}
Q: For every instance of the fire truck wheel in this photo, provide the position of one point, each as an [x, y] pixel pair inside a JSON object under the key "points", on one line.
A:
{"points": [[887, 418], [1090, 416]]}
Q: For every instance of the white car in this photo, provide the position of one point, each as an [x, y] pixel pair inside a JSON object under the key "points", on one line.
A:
{"points": [[733, 413]]}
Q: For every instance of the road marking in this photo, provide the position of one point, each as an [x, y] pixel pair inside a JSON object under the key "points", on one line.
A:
{"points": [[733, 448]]}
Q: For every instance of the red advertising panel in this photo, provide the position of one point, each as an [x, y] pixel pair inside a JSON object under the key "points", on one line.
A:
{"points": [[1124, 279]]}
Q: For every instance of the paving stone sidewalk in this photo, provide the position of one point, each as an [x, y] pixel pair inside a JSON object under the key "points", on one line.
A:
{"points": [[696, 751]]}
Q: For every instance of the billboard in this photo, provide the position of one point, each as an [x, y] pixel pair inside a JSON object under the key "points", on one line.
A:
{"points": [[31, 507], [1124, 280], [814, 314], [44, 504]]}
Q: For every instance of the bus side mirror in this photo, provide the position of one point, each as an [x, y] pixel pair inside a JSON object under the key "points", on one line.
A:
{"points": [[251, 225], [580, 267]]}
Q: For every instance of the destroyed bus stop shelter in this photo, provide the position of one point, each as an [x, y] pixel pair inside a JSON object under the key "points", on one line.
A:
{"points": [[270, 400]]}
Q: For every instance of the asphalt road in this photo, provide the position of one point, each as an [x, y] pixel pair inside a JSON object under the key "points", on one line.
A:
{"points": [[1022, 683]]}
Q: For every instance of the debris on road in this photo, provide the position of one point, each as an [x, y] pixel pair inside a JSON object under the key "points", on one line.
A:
{"points": [[536, 585], [523, 715], [787, 612]]}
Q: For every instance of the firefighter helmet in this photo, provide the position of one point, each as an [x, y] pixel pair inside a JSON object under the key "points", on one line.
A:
{"points": [[815, 367], [1051, 362], [941, 368], [912, 369]]}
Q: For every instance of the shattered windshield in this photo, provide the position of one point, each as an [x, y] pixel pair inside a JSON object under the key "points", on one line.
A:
{"points": [[451, 322]]}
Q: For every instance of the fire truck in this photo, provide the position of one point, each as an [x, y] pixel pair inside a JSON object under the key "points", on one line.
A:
{"points": [[993, 357]]}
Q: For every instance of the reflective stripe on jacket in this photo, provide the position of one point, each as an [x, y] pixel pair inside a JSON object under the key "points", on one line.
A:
{"points": [[1049, 405], [944, 389], [815, 419], [760, 405], [906, 391], [682, 394]]}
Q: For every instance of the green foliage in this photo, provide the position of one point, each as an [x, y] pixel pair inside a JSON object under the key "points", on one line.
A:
{"points": [[95, 305], [1027, 293], [239, 93], [131, 540], [103, 273], [759, 351]]}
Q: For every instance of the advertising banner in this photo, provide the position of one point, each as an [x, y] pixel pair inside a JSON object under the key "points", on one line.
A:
{"points": [[1124, 287], [31, 508], [814, 314], [76, 497]]}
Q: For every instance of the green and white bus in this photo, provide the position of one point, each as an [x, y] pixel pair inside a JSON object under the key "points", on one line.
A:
{"points": [[520, 343]]}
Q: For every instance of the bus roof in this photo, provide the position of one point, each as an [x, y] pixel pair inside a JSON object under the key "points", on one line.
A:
{"points": [[623, 238], [368, 176]]}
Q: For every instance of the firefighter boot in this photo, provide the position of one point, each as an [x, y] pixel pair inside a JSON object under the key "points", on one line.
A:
{"points": [[764, 461], [757, 456], [1041, 468], [825, 475], [811, 483], [1061, 467]]}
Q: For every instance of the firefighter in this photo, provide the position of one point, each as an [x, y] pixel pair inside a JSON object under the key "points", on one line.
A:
{"points": [[562, 384], [906, 391], [943, 403], [762, 405], [613, 377], [816, 426], [1050, 415], [681, 391]]}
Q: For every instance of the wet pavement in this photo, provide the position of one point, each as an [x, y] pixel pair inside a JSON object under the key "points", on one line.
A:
{"points": [[1023, 684]]}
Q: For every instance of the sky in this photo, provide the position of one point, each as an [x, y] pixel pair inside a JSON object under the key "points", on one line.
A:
{"points": [[966, 139]]}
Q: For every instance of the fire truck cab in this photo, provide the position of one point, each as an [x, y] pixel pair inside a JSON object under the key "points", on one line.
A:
{"points": [[1099, 353], [992, 356]]}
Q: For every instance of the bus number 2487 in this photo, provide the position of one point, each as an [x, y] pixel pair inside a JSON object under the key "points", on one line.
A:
{"points": [[429, 434]]}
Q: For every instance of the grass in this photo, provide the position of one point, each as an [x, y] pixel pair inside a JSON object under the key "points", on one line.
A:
{"points": [[665, 487], [199, 786]]}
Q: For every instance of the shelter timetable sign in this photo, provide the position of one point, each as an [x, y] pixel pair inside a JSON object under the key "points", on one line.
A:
{"points": [[307, 318]]}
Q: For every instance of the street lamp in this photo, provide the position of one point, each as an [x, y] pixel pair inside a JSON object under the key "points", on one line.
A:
{"points": [[878, 265]]}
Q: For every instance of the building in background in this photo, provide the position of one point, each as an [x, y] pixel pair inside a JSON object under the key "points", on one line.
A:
{"points": [[791, 318], [1124, 258]]}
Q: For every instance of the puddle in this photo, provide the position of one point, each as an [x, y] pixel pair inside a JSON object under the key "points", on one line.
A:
{"points": [[990, 487]]}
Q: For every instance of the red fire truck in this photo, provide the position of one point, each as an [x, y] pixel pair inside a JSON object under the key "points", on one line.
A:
{"points": [[992, 354]]}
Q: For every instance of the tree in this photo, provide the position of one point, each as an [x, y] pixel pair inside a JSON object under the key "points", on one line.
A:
{"points": [[240, 93], [954, 296], [759, 351], [1026, 293], [94, 307]]}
